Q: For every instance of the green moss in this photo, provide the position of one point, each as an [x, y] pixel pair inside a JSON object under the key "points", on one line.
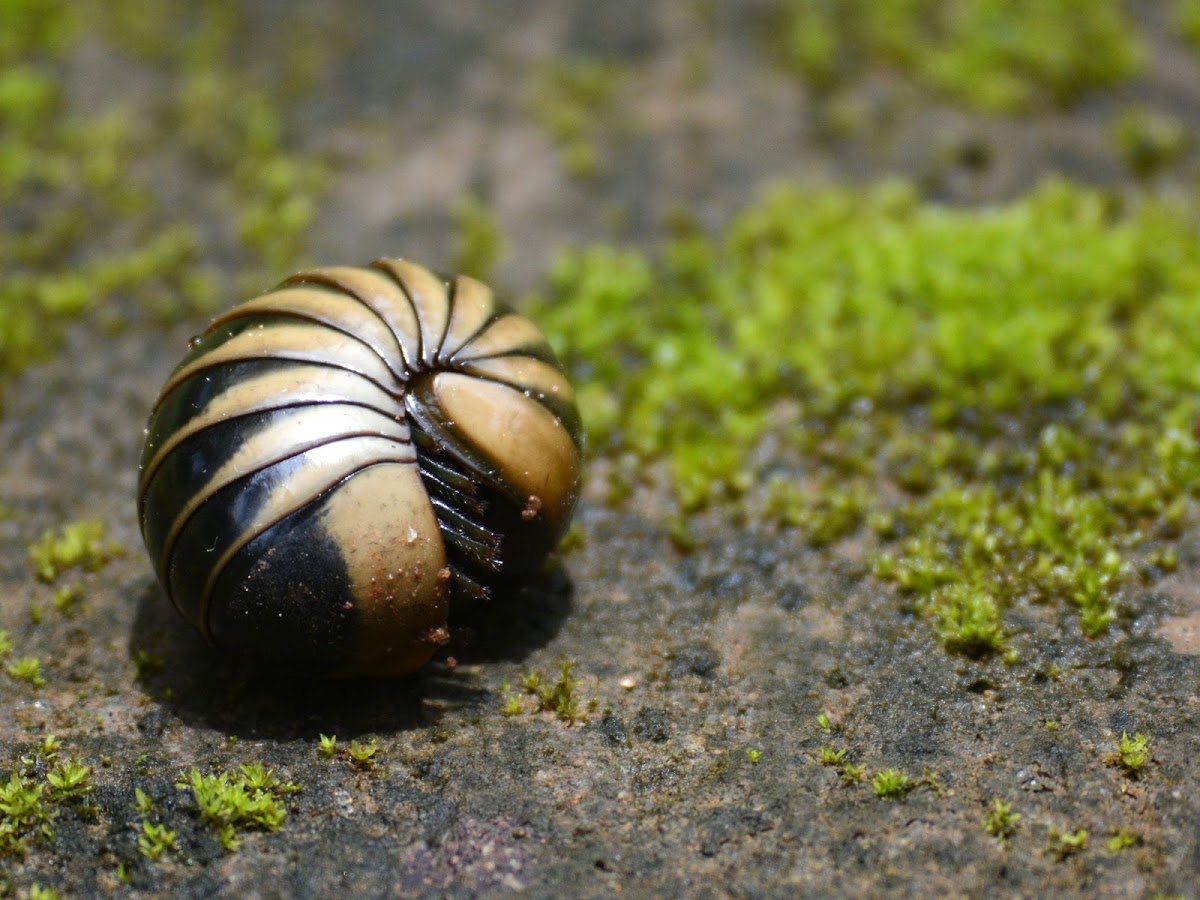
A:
{"points": [[1186, 18], [852, 774], [1130, 754], [1000, 821], [571, 101], [76, 545], [560, 696], [24, 813], [996, 55], [232, 802], [155, 839], [1061, 844], [69, 780], [27, 669], [67, 599], [363, 754], [889, 784], [1149, 141], [36, 794], [1122, 839], [831, 756], [93, 227], [1019, 373], [479, 243], [327, 746]]}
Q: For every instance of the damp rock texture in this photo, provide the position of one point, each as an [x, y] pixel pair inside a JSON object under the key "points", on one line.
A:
{"points": [[892, 618]]}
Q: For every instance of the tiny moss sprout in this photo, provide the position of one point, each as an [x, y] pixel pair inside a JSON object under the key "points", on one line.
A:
{"points": [[231, 802], [363, 754], [823, 723], [37, 892], [1130, 754], [27, 669], [46, 752], [753, 755], [146, 664], [5, 642], [69, 780], [1148, 141], [153, 839], [23, 813], [852, 774], [829, 756], [1061, 844], [1121, 839], [1000, 821], [570, 101], [327, 745], [479, 243], [560, 696], [76, 545], [67, 600], [512, 701], [890, 784]]}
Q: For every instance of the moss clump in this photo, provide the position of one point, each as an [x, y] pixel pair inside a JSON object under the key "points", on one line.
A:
{"points": [[997, 55], [153, 839], [1149, 141], [27, 669], [560, 696], [86, 226], [36, 794], [890, 784], [76, 545], [363, 754], [1016, 381], [232, 802], [1061, 844], [24, 813], [1186, 18], [571, 99], [1000, 821], [1121, 839], [1130, 754], [479, 242]]}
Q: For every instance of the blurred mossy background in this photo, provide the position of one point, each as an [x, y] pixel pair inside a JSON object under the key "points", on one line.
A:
{"points": [[905, 290]]}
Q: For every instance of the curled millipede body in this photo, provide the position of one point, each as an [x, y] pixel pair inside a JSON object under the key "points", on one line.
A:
{"points": [[336, 462]]}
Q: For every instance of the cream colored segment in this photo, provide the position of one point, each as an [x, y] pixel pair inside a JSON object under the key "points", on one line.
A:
{"points": [[296, 342], [473, 305], [381, 294], [327, 306], [525, 441], [383, 523], [506, 335], [302, 430], [429, 298], [525, 374], [293, 386], [324, 467]]}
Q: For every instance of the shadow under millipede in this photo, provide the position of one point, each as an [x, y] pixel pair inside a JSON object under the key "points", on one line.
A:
{"points": [[203, 686]]}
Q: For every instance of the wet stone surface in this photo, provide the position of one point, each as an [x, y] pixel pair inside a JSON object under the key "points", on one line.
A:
{"points": [[710, 678]]}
